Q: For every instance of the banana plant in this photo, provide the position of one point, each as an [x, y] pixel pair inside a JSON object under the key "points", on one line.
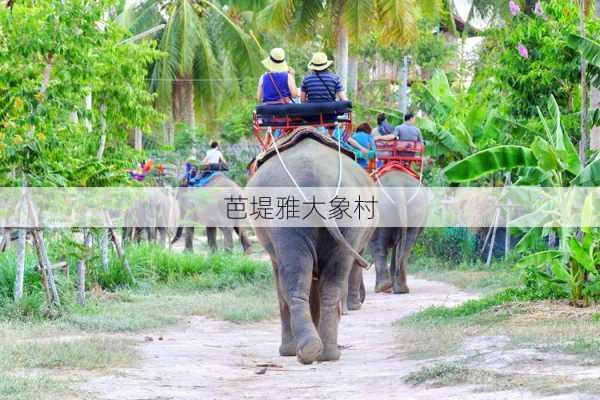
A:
{"points": [[550, 160], [453, 126], [575, 268]]}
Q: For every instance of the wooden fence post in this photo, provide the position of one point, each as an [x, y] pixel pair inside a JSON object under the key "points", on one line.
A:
{"points": [[120, 252], [43, 260]]}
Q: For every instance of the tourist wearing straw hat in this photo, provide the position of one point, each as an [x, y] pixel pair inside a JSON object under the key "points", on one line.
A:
{"points": [[321, 85], [278, 85]]}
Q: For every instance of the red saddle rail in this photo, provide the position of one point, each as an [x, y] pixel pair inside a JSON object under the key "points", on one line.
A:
{"points": [[287, 125], [399, 155]]}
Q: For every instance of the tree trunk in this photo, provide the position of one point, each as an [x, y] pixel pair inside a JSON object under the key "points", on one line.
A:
{"points": [[102, 145], [595, 103], [103, 244], [353, 75], [341, 52], [88, 108], [137, 139], [81, 267], [183, 101], [403, 93], [169, 133], [584, 122], [21, 249]]}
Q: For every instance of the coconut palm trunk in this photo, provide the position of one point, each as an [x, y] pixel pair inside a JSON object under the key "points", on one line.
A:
{"points": [[183, 101], [353, 75], [341, 51]]}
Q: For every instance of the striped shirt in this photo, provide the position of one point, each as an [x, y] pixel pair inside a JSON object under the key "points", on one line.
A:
{"points": [[321, 90]]}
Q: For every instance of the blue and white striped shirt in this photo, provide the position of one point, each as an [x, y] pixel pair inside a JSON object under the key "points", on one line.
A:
{"points": [[320, 90]]}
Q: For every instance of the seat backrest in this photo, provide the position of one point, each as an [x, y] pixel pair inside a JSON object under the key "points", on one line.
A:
{"points": [[304, 109]]}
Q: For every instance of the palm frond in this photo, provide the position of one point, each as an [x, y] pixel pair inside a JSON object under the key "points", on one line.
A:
{"points": [[399, 21], [358, 18]]}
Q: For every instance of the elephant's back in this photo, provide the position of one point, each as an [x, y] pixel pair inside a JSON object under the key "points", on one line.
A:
{"points": [[312, 164]]}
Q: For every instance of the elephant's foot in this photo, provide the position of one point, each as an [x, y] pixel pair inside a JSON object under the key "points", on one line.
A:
{"points": [[383, 286], [287, 349], [330, 352], [309, 350], [401, 289], [354, 304]]}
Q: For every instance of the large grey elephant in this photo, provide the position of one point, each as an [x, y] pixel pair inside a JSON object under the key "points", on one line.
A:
{"points": [[412, 207], [214, 219], [399, 240], [312, 264]]}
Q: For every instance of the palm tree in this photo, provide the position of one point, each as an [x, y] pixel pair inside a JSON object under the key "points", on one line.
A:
{"points": [[205, 51], [395, 21]]}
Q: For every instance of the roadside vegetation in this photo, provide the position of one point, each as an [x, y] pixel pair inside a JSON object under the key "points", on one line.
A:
{"points": [[509, 338], [39, 350]]}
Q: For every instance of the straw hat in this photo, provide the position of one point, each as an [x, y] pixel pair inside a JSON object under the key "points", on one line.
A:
{"points": [[319, 62], [276, 61]]}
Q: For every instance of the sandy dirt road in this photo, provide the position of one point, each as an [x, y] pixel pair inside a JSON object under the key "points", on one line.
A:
{"points": [[208, 359]]}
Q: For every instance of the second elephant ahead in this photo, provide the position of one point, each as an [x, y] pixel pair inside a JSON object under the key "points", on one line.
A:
{"points": [[411, 204]]}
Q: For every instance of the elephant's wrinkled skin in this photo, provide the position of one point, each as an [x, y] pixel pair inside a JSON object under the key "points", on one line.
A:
{"points": [[214, 219], [411, 204], [310, 308]]}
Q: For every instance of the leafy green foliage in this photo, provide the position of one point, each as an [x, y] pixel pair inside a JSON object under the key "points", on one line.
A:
{"points": [[552, 66], [70, 52]]}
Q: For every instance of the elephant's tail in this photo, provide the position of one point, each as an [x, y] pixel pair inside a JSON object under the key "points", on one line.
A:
{"points": [[178, 234], [335, 232]]}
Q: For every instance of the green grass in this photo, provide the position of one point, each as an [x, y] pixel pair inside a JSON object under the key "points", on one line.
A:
{"points": [[472, 277], [167, 287], [443, 374], [15, 386], [87, 353]]}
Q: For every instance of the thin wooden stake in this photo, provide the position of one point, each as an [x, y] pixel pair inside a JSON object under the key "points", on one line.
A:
{"points": [[120, 252], [493, 239], [43, 260]]}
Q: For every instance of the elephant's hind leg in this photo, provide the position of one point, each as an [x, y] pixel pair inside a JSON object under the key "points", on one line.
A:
{"points": [[288, 344], [295, 277], [331, 284], [399, 276]]}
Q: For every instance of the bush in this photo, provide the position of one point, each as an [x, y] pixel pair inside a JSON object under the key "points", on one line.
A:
{"points": [[150, 264], [452, 244]]}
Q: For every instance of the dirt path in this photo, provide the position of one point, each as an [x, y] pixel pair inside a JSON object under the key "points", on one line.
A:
{"points": [[219, 360]]}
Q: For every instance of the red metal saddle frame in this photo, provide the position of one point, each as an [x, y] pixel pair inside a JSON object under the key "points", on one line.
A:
{"points": [[288, 124], [398, 155]]}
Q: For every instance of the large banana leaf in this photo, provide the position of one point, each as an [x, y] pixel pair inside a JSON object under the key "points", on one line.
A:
{"points": [[590, 175], [499, 158], [590, 49]]}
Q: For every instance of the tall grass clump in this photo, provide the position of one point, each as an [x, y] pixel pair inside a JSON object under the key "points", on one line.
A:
{"points": [[154, 264]]}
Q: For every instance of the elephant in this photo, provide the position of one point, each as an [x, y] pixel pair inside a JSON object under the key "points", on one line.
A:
{"points": [[311, 264], [215, 221], [411, 204]]}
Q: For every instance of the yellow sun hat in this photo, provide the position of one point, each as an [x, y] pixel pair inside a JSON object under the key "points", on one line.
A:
{"points": [[276, 61], [319, 62]]}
